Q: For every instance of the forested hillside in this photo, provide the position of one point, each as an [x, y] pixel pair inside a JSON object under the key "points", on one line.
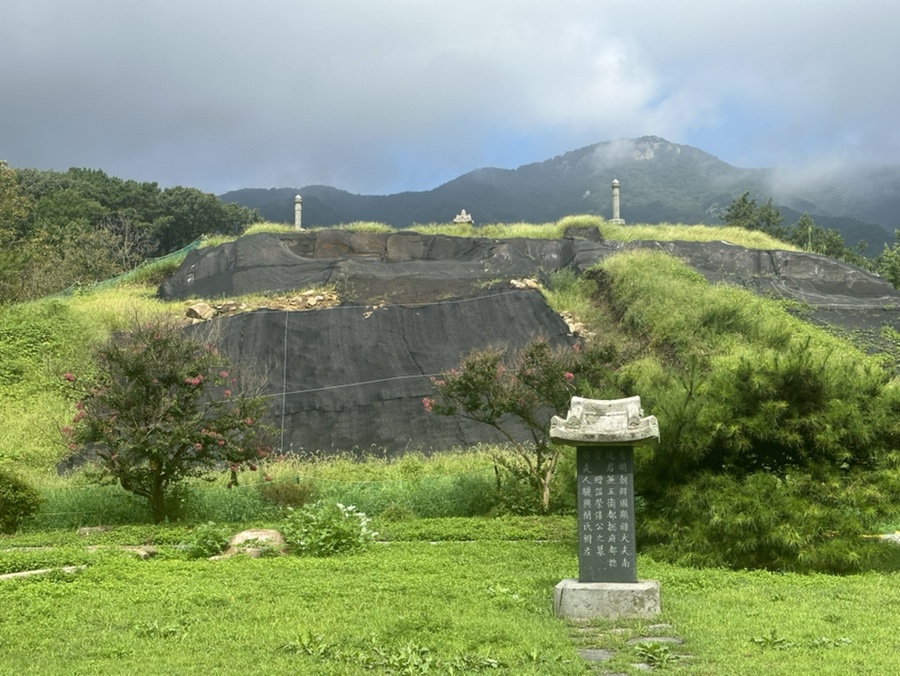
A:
{"points": [[58, 229]]}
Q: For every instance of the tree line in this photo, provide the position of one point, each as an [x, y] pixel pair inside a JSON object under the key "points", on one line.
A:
{"points": [[745, 213], [58, 229]]}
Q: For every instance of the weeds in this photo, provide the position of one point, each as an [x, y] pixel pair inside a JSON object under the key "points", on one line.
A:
{"points": [[772, 641], [657, 655]]}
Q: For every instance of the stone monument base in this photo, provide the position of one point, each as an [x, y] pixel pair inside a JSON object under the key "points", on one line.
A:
{"points": [[576, 600]]}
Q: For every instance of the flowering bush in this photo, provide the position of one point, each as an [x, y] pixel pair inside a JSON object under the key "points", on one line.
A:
{"points": [[159, 408], [505, 390], [325, 529]]}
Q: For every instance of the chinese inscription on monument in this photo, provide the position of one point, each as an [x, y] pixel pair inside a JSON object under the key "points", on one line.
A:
{"points": [[606, 514]]}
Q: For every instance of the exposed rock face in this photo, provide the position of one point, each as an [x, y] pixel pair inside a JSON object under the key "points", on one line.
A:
{"points": [[353, 377]]}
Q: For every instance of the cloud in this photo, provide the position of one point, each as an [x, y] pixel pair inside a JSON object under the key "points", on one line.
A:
{"points": [[378, 97]]}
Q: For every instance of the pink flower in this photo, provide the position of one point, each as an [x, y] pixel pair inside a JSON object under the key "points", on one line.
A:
{"points": [[223, 374], [248, 421], [221, 442], [67, 431], [569, 376], [227, 393], [198, 446], [427, 403], [70, 377]]}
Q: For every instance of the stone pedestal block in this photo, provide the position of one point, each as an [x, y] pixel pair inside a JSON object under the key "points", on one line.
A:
{"points": [[576, 600]]}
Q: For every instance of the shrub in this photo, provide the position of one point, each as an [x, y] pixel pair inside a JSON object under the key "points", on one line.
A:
{"points": [[18, 501], [326, 529], [207, 540], [794, 523], [161, 408]]}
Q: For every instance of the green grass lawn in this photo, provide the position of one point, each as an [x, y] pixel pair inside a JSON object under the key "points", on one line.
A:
{"points": [[483, 605]]}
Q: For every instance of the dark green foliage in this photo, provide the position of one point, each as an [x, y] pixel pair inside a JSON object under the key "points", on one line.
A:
{"points": [[804, 407], [18, 501], [887, 263], [163, 407], [82, 226], [524, 389], [744, 213], [797, 522], [190, 213]]}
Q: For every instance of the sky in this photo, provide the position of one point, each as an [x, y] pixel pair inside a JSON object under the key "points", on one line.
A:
{"points": [[385, 96]]}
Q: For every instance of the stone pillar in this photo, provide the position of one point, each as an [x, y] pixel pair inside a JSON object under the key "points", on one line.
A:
{"points": [[605, 434], [616, 218], [298, 213]]}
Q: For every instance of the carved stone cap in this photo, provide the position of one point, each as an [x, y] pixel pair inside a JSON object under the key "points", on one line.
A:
{"points": [[599, 422]]}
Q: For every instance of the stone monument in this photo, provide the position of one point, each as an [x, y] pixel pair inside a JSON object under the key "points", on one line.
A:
{"points": [[463, 217], [615, 203], [298, 213], [605, 434]]}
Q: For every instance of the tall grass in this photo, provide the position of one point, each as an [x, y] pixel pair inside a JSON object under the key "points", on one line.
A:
{"points": [[674, 307], [456, 484], [550, 230], [666, 232]]}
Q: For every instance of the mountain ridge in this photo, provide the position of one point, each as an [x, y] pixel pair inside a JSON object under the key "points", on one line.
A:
{"points": [[661, 182]]}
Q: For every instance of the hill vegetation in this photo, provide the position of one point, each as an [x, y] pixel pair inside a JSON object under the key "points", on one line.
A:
{"points": [[59, 229], [750, 401]]}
